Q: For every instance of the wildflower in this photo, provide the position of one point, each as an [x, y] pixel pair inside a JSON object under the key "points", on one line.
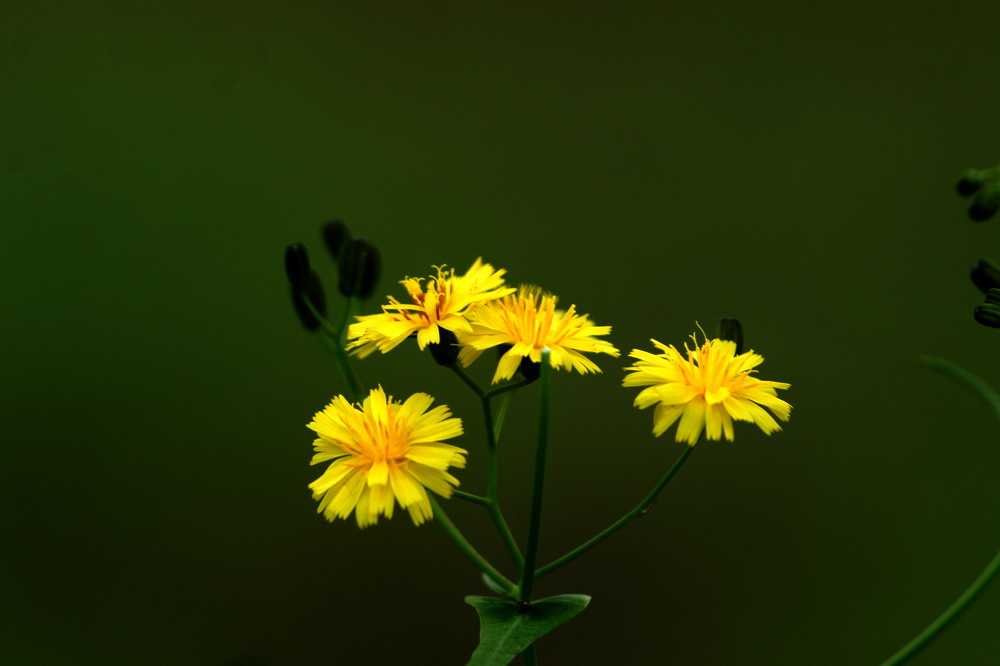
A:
{"points": [[443, 303], [529, 322], [382, 453], [708, 389]]}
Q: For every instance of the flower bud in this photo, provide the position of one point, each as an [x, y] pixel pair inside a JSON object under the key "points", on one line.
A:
{"points": [[445, 352], [970, 182], [314, 292], [370, 272], [732, 329], [297, 265], [985, 275], [335, 232], [351, 264], [988, 315], [985, 203], [993, 296]]}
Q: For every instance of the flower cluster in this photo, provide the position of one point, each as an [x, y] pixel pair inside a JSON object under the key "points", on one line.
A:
{"points": [[383, 452]]}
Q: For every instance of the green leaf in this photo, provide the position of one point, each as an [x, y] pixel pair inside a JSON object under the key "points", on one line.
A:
{"points": [[507, 629]]}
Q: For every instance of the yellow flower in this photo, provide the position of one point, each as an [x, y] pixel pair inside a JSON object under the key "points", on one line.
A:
{"points": [[529, 322], [708, 389], [382, 453], [443, 303]]}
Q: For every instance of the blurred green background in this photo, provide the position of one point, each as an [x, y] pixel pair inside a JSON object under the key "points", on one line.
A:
{"points": [[656, 164]]}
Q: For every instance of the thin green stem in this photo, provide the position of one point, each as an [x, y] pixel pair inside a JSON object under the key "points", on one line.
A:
{"points": [[354, 390], [507, 387], [467, 548], [527, 583], [925, 637], [530, 656], [638, 511], [457, 369], [991, 399], [469, 497], [493, 489], [344, 317], [498, 424], [331, 339]]}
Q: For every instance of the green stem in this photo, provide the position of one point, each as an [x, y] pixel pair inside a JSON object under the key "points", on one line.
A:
{"points": [[470, 552], [508, 387], [538, 486], [991, 399], [342, 324], [331, 339], [498, 424], [469, 497], [946, 617], [638, 511], [457, 369], [530, 656], [493, 487]]}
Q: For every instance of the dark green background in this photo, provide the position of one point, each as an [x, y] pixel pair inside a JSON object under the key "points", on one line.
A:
{"points": [[657, 164]]}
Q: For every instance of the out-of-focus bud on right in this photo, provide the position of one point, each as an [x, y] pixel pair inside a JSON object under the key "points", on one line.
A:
{"points": [[370, 272], [985, 203], [985, 275], [445, 352], [351, 265], [335, 232], [993, 296], [732, 329], [988, 315], [970, 182], [297, 265]]}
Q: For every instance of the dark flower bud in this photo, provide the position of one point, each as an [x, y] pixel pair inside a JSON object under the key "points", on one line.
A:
{"points": [[313, 292], [993, 296], [297, 265], [732, 329], [985, 203], [335, 232], [988, 315], [370, 272], [970, 182], [351, 264], [985, 275], [445, 352], [529, 369]]}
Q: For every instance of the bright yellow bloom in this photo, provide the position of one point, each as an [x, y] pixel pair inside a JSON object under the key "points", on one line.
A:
{"points": [[708, 388], [529, 322], [443, 303], [382, 453]]}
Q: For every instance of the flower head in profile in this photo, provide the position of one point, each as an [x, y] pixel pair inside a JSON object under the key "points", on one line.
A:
{"points": [[707, 387], [443, 302], [529, 322], [384, 452]]}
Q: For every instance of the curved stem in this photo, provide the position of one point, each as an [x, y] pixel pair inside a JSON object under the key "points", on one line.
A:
{"points": [[925, 637], [638, 511], [538, 486], [466, 547], [457, 369], [342, 324], [991, 399], [507, 387]]}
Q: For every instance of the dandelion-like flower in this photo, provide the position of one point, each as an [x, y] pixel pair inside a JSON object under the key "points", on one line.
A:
{"points": [[443, 303], [529, 322], [383, 453], [706, 388]]}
